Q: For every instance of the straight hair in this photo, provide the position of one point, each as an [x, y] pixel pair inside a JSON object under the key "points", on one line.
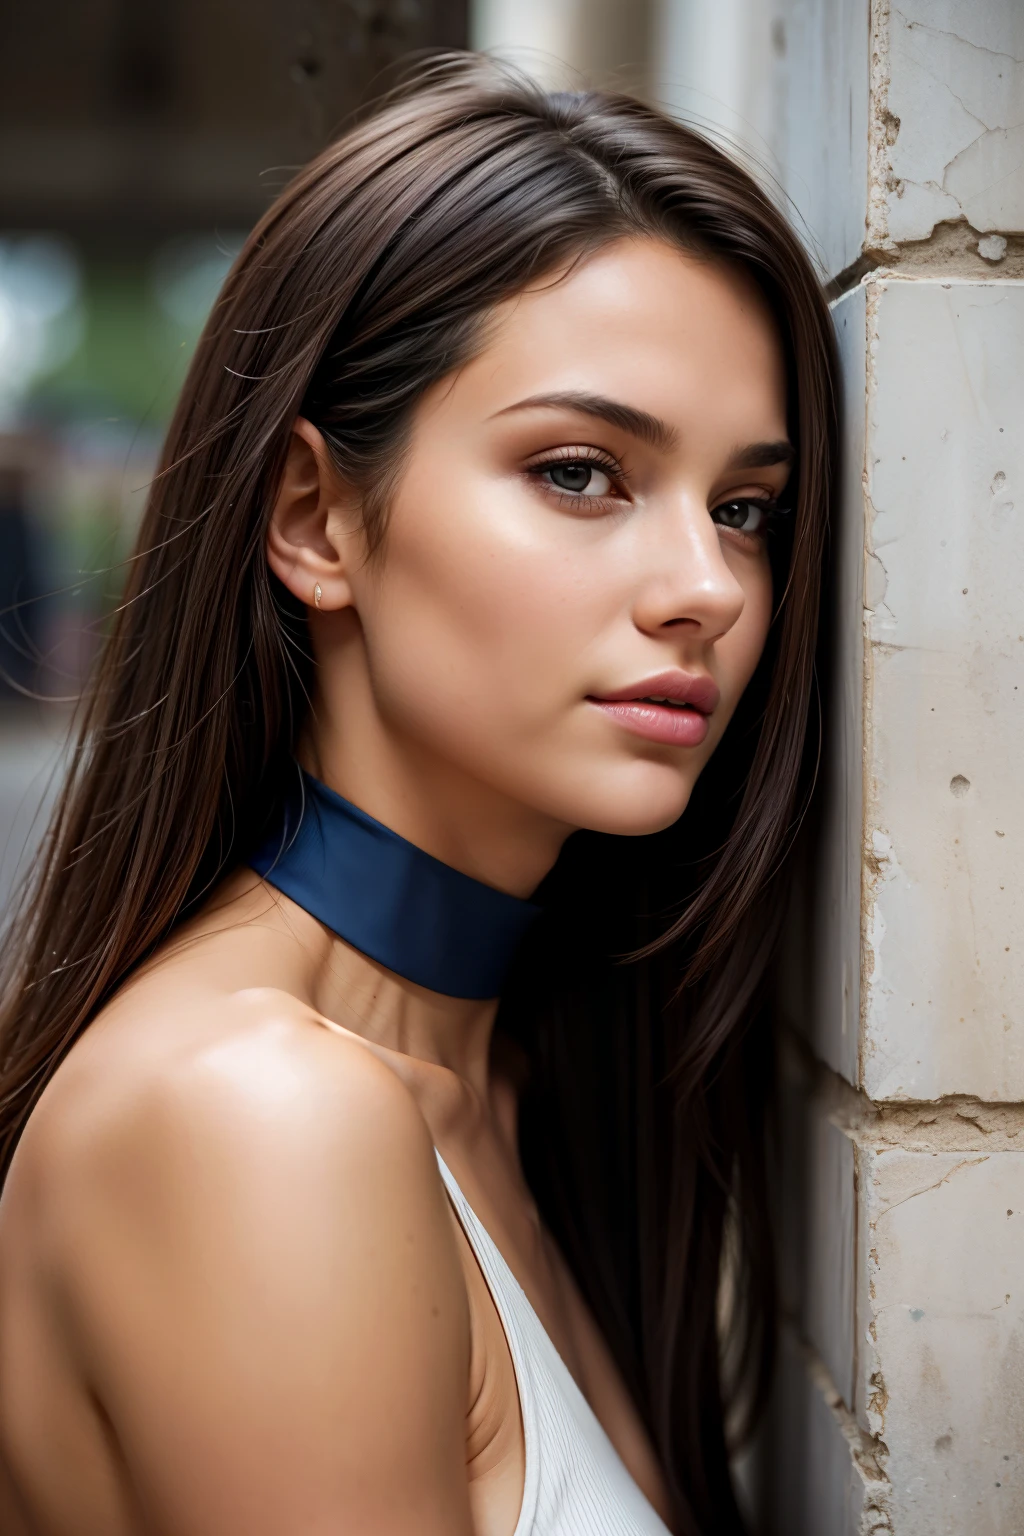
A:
{"points": [[640, 1005]]}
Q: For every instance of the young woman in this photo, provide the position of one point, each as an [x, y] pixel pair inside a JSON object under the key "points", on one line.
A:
{"points": [[467, 653]]}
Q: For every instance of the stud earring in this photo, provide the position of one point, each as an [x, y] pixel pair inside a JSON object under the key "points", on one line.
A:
{"points": [[317, 594]]}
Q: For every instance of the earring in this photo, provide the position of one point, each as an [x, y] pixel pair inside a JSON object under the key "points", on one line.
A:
{"points": [[317, 594]]}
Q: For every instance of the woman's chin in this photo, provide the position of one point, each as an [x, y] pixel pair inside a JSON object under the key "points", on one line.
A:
{"points": [[641, 812]]}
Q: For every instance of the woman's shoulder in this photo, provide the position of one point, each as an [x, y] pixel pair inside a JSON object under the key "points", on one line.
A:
{"points": [[249, 1261], [217, 1094]]}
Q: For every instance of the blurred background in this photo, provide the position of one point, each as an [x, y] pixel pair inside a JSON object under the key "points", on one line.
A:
{"points": [[138, 144]]}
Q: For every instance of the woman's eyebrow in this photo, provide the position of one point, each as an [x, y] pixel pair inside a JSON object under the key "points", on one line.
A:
{"points": [[639, 424], [649, 429], [763, 455]]}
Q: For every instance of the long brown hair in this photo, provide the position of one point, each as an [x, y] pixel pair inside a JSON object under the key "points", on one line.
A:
{"points": [[644, 1114]]}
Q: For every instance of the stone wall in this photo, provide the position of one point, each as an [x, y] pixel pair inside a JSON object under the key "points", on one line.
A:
{"points": [[896, 133], [899, 135]]}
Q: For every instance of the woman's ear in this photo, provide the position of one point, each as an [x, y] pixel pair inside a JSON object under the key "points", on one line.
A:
{"points": [[315, 533]]}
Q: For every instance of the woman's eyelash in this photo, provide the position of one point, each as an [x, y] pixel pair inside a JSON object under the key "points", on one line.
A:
{"points": [[588, 456], [585, 458], [772, 514]]}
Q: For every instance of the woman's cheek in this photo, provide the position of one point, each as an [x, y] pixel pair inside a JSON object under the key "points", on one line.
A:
{"points": [[471, 645], [483, 590]]}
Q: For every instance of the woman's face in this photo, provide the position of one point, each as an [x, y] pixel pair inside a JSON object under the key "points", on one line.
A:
{"points": [[580, 522]]}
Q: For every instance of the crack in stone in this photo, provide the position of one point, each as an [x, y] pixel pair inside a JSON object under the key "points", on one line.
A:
{"points": [[967, 1162], [985, 127], [978, 191], [922, 26]]}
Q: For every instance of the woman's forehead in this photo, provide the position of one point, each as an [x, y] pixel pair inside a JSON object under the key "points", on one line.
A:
{"points": [[640, 321]]}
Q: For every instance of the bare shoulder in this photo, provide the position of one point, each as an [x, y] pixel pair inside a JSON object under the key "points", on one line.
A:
{"points": [[237, 1083], [255, 1268]]}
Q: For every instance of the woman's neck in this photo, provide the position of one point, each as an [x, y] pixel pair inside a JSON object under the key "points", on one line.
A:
{"points": [[461, 822], [388, 1011]]}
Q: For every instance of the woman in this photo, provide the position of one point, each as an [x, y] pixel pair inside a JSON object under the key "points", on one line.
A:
{"points": [[496, 498]]}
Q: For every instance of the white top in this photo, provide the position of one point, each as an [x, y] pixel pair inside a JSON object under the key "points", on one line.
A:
{"points": [[576, 1483]]}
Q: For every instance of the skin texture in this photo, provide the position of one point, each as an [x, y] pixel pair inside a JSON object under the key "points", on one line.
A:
{"points": [[232, 1293]]}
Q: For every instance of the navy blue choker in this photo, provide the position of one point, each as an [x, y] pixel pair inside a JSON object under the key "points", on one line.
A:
{"points": [[386, 897]]}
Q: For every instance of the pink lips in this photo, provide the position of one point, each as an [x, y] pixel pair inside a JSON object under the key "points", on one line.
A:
{"points": [[670, 724]]}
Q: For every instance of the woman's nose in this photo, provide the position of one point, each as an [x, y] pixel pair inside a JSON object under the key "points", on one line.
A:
{"points": [[687, 581]]}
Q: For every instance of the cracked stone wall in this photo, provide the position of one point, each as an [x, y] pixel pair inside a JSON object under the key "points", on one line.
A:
{"points": [[946, 93], [901, 1395], [895, 132]]}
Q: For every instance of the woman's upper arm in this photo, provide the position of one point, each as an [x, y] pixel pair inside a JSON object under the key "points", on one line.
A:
{"points": [[267, 1297]]}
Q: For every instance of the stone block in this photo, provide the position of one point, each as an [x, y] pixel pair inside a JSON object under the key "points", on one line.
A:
{"points": [[831, 1215], [829, 926], [943, 898], [819, 129], [817, 1239], [948, 109], [943, 1336]]}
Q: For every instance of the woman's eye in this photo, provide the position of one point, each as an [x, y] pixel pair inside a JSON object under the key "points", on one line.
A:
{"points": [[579, 478], [746, 516]]}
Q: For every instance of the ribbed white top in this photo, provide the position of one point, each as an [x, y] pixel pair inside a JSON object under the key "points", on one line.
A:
{"points": [[576, 1483]]}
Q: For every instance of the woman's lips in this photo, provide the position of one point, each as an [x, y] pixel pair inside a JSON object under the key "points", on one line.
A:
{"points": [[670, 724], [671, 708]]}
